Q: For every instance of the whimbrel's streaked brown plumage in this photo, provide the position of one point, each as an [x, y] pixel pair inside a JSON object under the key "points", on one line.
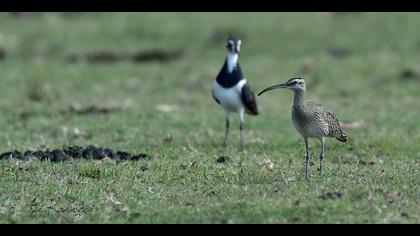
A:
{"points": [[311, 119]]}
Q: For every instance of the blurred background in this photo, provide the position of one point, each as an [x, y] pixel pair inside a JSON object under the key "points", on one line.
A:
{"points": [[135, 80]]}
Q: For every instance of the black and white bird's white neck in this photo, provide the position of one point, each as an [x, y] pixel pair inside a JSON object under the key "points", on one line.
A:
{"points": [[232, 60]]}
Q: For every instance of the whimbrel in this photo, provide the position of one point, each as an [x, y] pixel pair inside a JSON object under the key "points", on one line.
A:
{"points": [[311, 119], [231, 91]]}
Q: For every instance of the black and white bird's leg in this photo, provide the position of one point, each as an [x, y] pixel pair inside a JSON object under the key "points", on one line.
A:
{"points": [[321, 157], [308, 158], [241, 128], [225, 142]]}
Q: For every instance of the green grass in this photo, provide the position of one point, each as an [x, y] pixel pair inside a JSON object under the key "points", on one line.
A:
{"points": [[183, 183]]}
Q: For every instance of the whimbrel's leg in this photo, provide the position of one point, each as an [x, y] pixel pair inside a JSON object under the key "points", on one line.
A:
{"points": [[241, 128], [225, 142], [308, 158], [321, 157]]}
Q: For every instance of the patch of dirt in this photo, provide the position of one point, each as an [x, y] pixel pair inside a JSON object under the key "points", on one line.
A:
{"points": [[103, 56], [339, 52], [25, 115], [331, 196], [296, 219], [75, 152], [222, 159], [89, 110], [393, 197], [96, 109], [76, 109], [364, 162], [12, 154], [157, 55], [279, 190], [39, 90], [297, 202], [409, 74], [353, 160], [2, 53], [168, 139]]}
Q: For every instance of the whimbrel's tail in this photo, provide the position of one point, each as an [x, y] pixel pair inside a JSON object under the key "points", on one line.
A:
{"points": [[343, 137]]}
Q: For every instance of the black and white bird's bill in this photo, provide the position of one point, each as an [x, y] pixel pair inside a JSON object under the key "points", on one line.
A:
{"points": [[289, 84]]}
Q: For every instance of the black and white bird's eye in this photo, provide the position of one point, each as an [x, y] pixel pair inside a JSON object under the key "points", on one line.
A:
{"points": [[230, 45]]}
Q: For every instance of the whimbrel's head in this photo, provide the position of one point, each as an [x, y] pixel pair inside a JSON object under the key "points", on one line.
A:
{"points": [[233, 44], [295, 84]]}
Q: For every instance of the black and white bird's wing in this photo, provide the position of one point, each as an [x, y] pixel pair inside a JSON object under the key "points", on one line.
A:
{"points": [[214, 97], [248, 98]]}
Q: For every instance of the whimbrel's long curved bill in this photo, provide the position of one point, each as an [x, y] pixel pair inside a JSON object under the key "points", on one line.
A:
{"points": [[277, 86]]}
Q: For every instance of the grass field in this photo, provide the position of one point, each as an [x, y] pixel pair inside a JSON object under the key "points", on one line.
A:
{"points": [[363, 66]]}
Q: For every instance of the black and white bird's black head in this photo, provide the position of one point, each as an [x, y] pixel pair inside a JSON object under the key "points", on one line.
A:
{"points": [[295, 84], [233, 44]]}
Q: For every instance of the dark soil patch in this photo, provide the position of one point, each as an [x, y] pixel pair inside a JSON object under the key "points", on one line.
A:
{"points": [[90, 110], [363, 162], [154, 55], [95, 109], [75, 152], [168, 139], [331, 196], [339, 52], [2, 53], [409, 74], [222, 159]]}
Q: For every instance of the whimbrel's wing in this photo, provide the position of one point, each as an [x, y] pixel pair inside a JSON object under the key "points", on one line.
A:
{"points": [[334, 129], [248, 98], [214, 97]]}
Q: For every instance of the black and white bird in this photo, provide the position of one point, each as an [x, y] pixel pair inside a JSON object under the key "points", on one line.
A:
{"points": [[230, 88]]}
